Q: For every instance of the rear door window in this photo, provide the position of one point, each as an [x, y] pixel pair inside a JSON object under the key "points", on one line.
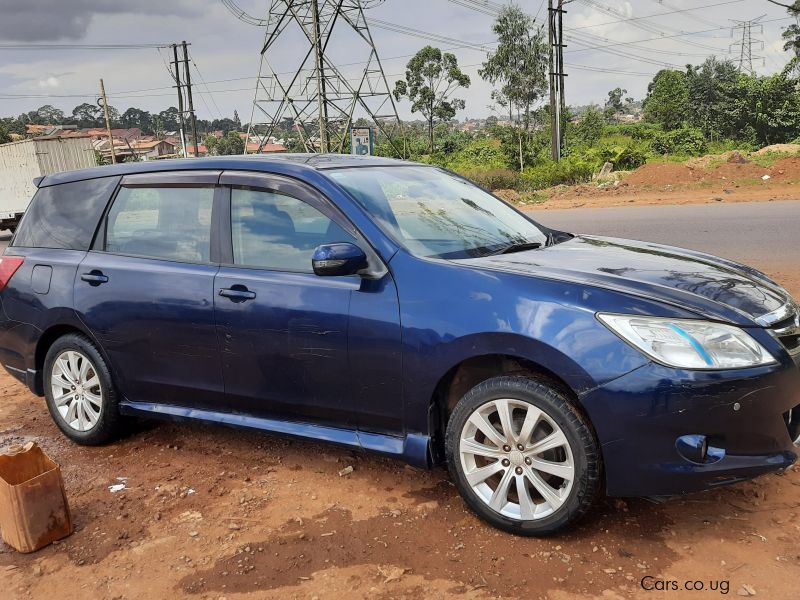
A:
{"points": [[66, 215], [172, 223]]}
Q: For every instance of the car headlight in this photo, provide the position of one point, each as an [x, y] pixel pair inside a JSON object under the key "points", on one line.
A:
{"points": [[689, 344]]}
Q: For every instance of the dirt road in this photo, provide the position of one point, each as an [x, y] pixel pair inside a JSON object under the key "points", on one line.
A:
{"points": [[212, 513]]}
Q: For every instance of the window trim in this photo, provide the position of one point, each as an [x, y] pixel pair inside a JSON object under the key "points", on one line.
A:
{"points": [[98, 225], [300, 191], [170, 179]]}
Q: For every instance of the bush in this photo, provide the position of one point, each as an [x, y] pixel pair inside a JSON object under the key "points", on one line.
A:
{"points": [[590, 128], [493, 179], [481, 154], [568, 171], [686, 141], [623, 152], [721, 146], [637, 131]]}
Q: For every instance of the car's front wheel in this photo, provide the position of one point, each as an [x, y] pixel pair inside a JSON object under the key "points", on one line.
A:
{"points": [[79, 391], [522, 456]]}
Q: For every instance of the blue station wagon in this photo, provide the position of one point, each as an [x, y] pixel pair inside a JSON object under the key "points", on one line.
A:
{"points": [[398, 308]]}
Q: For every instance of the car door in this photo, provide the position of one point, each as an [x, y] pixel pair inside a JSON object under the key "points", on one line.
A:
{"points": [[145, 289], [283, 329]]}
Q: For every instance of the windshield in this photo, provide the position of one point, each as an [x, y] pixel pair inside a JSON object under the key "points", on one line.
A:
{"points": [[434, 214]]}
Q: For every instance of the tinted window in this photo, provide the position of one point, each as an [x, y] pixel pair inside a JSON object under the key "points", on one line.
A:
{"points": [[65, 215], [171, 223], [279, 232]]}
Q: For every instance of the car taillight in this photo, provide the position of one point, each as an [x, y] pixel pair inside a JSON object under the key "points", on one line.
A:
{"points": [[9, 266]]}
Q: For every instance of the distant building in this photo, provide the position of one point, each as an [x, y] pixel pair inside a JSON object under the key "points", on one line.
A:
{"points": [[252, 148], [153, 149], [201, 150]]}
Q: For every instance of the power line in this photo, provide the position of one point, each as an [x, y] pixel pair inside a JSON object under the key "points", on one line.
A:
{"points": [[685, 10], [208, 91], [80, 46], [661, 14], [641, 24], [665, 37]]}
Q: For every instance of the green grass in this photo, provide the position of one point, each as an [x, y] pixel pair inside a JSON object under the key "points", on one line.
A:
{"points": [[770, 158]]}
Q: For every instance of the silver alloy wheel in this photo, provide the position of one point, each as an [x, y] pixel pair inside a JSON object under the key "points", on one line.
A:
{"points": [[516, 459], [77, 394]]}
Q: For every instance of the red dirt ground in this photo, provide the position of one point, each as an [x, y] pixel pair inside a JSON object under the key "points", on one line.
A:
{"points": [[695, 182], [212, 513]]}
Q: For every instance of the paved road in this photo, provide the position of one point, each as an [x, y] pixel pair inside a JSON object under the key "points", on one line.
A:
{"points": [[764, 234]]}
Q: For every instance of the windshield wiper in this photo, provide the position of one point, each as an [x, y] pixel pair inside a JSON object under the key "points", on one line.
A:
{"points": [[516, 247]]}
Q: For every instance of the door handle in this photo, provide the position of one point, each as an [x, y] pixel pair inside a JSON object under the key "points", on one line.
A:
{"points": [[237, 293], [94, 277]]}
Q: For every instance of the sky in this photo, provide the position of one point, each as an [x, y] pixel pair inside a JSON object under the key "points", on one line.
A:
{"points": [[608, 47]]}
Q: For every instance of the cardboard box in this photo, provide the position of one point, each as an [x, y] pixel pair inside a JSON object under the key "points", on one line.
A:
{"points": [[33, 504]]}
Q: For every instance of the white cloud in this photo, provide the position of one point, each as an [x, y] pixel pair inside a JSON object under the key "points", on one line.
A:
{"points": [[49, 82]]}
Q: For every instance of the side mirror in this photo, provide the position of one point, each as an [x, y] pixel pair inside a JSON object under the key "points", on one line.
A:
{"points": [[341, 258]]}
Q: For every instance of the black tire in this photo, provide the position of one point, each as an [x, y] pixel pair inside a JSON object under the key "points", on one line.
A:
{"points": [[109, 423], [556, 405]]}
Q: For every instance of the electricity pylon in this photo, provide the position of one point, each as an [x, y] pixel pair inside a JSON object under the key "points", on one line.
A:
{"points": [[313, 92], [747, 43]]}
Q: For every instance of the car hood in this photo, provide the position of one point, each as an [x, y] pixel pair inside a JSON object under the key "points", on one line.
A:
{"points": [[708, 285]]}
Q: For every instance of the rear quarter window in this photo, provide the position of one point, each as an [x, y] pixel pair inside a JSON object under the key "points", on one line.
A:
{"points": [[65, 216]]}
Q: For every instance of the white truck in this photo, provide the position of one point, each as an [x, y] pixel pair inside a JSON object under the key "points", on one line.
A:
{"points": [[22, 162]]}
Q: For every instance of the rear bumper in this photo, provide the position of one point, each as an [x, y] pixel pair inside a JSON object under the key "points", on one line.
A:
{"points": [[644, 418], [17, 344]]}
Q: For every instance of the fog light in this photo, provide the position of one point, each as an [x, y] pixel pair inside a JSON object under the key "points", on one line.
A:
{"points": [[695, 448]]}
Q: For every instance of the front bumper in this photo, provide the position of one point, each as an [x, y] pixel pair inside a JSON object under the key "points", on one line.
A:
{"points": [[642, 418]]}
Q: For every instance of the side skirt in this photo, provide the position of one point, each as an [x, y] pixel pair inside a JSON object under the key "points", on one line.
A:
{"points": [[414, 448]]}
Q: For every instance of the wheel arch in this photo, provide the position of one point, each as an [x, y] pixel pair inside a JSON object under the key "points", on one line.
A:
{"points": [[471, 371], [49, 336]]}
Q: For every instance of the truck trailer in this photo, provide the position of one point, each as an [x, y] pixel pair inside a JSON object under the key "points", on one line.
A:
{"points": [[24, 161]]}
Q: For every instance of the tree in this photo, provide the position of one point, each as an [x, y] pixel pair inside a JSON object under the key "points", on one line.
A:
{"points": [[169, 119], [50, 115], [518, 67], [791, 36], [136, 117], [615, 104], [667, 101], [88, 115], [230, 144], [431, 79], [5, 136], [712, 91], [14, 125], [590, 128], [765, 110]]}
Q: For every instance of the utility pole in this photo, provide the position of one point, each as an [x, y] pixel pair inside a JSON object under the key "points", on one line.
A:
{"points": [[561, 75], [177, 78], [556, 62], [554, 141], [108, 122], [322, 100], [188, 78], [747, 43]]}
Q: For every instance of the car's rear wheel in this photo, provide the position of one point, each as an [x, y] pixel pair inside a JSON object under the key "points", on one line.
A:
{"points": [[522, 456], [79, 391]]}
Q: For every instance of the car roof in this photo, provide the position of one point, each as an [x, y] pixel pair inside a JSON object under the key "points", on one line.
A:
{"points": [[250, 162]]}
